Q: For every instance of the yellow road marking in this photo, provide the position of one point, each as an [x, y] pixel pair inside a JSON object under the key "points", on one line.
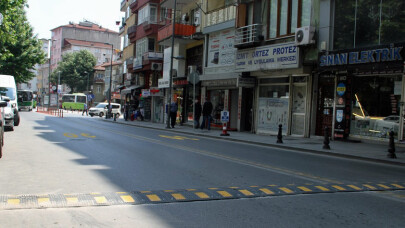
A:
{"points": [[338, 187], [153, 197], [95, 193], [234, 187], [168, 190], [100, 199], [286, 190], [398, 186], [43, 200], [305, 189], [127, 199], [212, 188], [178, 196], [121, 193], [321, 188], [254, 186], [246, 192], [354, 187], [267, 191], [384, 186], [202, 195], [177, 137], [224, 193], [191, 189], [369, 186], [88, 135], [72, 200], [70, 135], [13, 201], [145, 191], [272, 185]]}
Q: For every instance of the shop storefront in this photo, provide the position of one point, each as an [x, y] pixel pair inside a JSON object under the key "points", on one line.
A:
{"points": [[368, 94], [281, 98]]}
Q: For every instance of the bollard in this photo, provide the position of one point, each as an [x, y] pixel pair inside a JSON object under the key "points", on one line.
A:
{"points": [[280, 136], [224, 132], [326, 139], [391, 146]]}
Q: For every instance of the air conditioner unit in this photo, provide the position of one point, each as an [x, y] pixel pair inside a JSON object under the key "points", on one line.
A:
{"points": [[197, 17], [156, 66], [304, 35], [192, 69]]}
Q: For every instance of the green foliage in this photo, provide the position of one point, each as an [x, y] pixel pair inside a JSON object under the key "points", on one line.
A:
{"points": [[73, 68], [20, 50]]}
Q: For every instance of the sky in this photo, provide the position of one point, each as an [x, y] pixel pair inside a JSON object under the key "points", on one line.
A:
{"points": [[44, 15]]}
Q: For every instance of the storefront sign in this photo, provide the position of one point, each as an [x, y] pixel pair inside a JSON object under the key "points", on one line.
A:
{"points": [[339, 116], [361, 57], [246, 82], [163, 83], [145, 93], [221, 51], [220, 83], [180, 82], [341, 89], [155, 92], [280, 56]]}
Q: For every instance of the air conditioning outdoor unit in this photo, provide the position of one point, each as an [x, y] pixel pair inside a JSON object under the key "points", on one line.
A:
{"points": [[192, 69], [197, 18], [156, 66], [304, 35]]}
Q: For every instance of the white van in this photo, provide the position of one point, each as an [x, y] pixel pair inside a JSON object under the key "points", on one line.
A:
{"points": [[101, 109], [8, 88]]}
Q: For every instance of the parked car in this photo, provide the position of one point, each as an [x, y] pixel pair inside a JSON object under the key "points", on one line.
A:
{"points": [[8, 114], [101, 109]]}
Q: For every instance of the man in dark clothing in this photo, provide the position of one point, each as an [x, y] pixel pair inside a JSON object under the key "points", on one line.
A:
{"points": [[207, 110], [173, 113], [197, 113]]}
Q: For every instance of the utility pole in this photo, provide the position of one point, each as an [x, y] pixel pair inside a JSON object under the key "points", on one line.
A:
{"points": [[169, 93]]}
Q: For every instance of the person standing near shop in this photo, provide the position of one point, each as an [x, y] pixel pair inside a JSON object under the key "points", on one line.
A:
{"points": [[173, 113], [206, 111], [197, 113]]}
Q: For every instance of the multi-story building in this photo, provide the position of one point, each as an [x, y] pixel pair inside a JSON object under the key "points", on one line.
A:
{"points": [[43, 73], [101, 81], [187, 45], [275, 46], [360, 83], [147, 59]]}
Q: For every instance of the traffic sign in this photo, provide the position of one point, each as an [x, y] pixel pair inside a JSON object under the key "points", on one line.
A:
{"points": [[224, 116], [194, 78]]}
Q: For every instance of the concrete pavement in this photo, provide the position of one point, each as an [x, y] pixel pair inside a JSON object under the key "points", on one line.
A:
{"points": [[369, 151]]}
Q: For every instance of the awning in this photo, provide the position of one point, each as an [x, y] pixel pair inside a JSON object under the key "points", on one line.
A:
{"points": [[129, 89]]}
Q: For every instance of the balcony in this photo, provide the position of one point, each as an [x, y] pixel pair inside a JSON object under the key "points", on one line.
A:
{"points": [[123, 5], [181, 30], [133, 4], [131, 31], [250, 35], [136, 5]]}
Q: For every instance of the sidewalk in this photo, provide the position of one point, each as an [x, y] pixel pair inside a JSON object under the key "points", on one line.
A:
{"points": [[368, 151]]}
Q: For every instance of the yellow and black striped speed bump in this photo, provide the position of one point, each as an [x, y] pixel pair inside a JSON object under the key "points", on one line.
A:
{"points": [[182, 195]]}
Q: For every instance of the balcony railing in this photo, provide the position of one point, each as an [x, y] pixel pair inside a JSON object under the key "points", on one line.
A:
{"points": [[250, 34], [179, 30], [220, 16], [131, 31]]}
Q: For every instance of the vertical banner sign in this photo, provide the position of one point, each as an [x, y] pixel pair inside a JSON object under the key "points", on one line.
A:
{"points": [[342, 111]]}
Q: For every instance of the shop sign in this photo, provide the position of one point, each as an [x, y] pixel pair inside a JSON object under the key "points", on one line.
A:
{"points": [[180, 82], [246, 82], [145, 93], [341, 89], [220, 83], [163, 83], [155, 92], [339, 116], [361, 57], [137, 64], [280, 56], [116, 96], [221, 50]]}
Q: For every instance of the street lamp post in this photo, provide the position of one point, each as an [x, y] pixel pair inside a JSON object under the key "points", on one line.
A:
{"points": [[169, 93], [57, 91], [49, 72], [109, 90]]}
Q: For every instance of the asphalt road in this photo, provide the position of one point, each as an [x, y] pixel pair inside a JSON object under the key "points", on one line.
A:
{"points": [[53, 158]]}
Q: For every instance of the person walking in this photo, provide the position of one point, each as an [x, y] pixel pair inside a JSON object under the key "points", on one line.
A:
{"points": [[85, 109], [173, 113], [197, 113], [206, 111]]}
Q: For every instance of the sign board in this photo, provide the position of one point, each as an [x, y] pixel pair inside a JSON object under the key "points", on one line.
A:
{"points": [[270, 57], [137, 63], [194, 78], [59, 88], [155, 92], [221, 50], [224, 116], [145, 93]]}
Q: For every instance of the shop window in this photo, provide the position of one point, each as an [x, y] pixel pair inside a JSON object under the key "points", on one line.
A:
{"points": [[375, 106]]}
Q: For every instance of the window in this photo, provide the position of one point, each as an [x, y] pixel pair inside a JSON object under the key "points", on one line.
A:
{"points": [[151, 44], [163, 14], [147, 14], [287, 15], [144, 45]]}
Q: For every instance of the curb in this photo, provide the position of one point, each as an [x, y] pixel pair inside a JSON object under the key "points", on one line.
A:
{"points": [[330, 153]]}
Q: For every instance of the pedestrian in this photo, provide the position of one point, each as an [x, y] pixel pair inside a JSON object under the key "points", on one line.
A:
{"points": [[173, 113], [126, 111], [85, 109], [206, 111], [197, 113]]}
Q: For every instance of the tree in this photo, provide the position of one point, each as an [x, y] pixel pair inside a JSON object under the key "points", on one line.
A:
{"points": [[73, 68], [20, 50]]}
